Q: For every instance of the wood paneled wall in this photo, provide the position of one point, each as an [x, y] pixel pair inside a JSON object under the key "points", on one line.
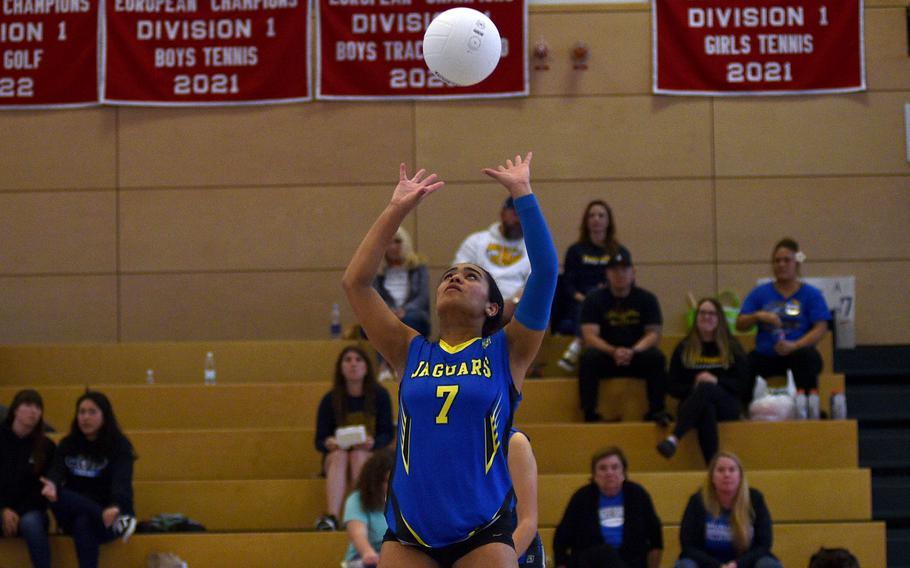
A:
{"points": [[129, 224]]}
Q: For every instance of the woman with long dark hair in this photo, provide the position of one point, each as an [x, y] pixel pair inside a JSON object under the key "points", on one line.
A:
{"points": [[584, 270], [90, 486], [708, 372], [25, 456], [450, 494], [355, 399]]}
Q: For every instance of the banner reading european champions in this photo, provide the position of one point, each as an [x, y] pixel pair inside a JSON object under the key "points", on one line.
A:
{"points": [[50, 53], [206, 52], [373, 49], [759, 47]]}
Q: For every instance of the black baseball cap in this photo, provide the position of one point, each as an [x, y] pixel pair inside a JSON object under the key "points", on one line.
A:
{"points": [[620, 258]]}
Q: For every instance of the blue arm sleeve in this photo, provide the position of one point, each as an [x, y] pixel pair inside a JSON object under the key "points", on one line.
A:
{"points": [[534, 309]]}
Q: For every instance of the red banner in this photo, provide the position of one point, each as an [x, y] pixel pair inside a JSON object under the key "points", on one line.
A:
{"points": [[206, 52], [373, 49], [769, 47], [50, 53]]}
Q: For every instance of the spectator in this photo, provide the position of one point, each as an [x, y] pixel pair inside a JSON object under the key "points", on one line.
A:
{"points": [[404, 284], [523, 469], [500, 250], [708, 372], [355, 399], [833, 558], [583, 270], [620, 325], [25, 456], [726, 523], [90, 486], [609, 523], [792, 317], [364, 517]]}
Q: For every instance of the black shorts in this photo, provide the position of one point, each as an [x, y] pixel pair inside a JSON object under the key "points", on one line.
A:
{"points": [[499, 530]]}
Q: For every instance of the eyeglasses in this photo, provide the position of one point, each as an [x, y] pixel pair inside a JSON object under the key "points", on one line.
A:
{"points": [[707, 313]]}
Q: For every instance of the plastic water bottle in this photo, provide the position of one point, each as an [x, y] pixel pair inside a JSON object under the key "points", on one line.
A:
{"points": [[150, 377], [802, 405], [838, 405], [209, 375], [814, 405], [335, 321]]}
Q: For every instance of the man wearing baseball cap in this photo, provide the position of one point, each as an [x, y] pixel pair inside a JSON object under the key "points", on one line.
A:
{"points": [[620, 326]]}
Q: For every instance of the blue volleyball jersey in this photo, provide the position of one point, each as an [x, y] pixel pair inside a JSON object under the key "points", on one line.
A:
{"points": [[451, 474]]}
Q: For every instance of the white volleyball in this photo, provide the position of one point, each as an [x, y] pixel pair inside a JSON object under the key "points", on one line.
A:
{"points": [[462, 46]]}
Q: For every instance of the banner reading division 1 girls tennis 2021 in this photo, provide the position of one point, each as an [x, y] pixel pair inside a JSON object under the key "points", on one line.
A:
{"points": [[757, 47], [204, 52], [49, 50], [373, 49]]}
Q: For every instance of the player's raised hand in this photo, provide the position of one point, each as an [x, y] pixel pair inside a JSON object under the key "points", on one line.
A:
{"points": [[514, 175], [411, 190]]}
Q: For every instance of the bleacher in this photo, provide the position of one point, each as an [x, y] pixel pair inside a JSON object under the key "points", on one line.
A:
{"points": [[239, 457]]}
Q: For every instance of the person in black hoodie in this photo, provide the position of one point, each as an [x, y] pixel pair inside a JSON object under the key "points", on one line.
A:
{"points": [[609, 523], [708, 372], [726, 523], [25, 455], [90, 486]]}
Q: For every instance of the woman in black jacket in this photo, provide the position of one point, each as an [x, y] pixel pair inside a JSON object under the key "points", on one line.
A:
{"points": [[25, 455], [90, 485], [609, 523], [708, 372], [726, 523]]}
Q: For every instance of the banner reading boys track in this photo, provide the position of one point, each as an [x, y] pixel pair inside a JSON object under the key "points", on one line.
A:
{"points": [[373, 49], [757, 47], [206, 52], [50, 53]]}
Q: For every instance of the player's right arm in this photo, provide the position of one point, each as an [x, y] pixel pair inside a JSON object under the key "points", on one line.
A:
{"points": [[386, 332]]}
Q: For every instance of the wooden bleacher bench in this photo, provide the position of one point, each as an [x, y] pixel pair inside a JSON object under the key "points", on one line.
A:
{"points": [[291, 504], [793, 544], [237, 361], [173, 362], [288, 453]]}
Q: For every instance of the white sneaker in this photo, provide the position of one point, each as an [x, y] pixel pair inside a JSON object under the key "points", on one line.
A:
{"points": [[386, 375], [125, 526], [569, 360]]}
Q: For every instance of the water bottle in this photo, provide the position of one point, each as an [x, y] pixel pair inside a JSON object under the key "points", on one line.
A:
{"points": [[209, 375], [335, 322], [814, 405], [150, 377], [838, 405], [802, 405]]}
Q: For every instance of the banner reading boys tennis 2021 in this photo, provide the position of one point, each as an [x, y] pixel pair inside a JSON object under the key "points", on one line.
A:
{"points": [[206, 52], [757, 47], [373, 49], [50, 52]]}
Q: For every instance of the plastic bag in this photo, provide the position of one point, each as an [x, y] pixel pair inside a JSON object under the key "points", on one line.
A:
{"points": [[773, 404]]}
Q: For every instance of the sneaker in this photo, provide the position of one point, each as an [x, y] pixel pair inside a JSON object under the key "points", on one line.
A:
{"points": [[327, 523], [124, 526], [666, 448], [569, 360], [386, 375], [661, 417]]}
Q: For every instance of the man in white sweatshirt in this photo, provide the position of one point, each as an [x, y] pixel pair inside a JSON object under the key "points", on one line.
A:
{"points": [[500, 250]]}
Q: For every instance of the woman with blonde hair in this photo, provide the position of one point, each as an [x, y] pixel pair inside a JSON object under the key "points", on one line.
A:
{"points": [[708, 372], [404, 283], [726, 523]]}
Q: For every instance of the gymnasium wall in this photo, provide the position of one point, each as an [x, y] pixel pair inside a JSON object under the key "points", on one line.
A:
{"points": [[133, 224]]}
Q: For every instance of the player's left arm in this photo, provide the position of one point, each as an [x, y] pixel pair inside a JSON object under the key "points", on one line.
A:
{"points": [[526, 330]]}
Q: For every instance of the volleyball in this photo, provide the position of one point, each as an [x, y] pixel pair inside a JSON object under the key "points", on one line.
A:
{"points": [[462, 46]]}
